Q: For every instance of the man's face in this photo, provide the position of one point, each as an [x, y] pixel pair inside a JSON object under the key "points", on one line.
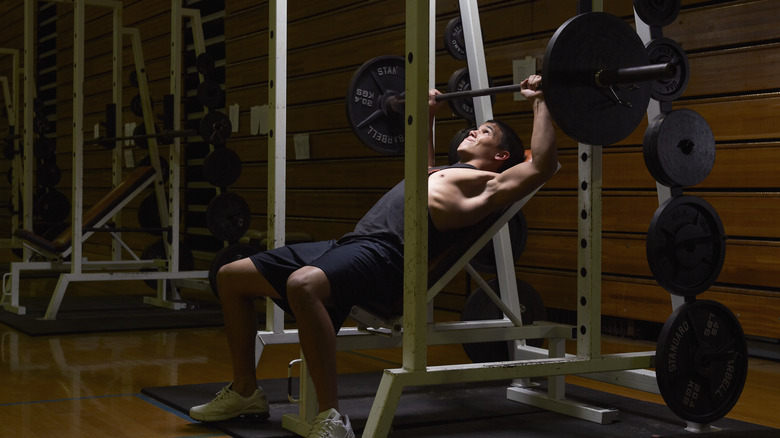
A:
{"points": [[482, 142]]}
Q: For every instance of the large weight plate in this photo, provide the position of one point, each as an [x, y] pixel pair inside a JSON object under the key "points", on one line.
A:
{"points": [[222, 167], [215, 128], [480, 307], [662, 51], [679, 148], [657, 12], [228, 254], [579, 48], [686, 245], [374, 122], [701, 361], [228, 216]]}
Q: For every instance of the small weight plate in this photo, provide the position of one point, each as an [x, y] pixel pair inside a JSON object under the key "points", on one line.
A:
{"points": [[454, 42], [485, 260], [228, 216], [582, 46], [657, 12], [679, 148], [228, 254], [205, 65], [701, 361], [463, 107], [374, 121], [222, 167], [215, 128], [686, 245], [480, 307], [661, 51]]}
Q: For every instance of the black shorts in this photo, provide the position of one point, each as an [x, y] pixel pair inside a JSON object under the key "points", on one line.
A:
{"points": [[362, 271]]}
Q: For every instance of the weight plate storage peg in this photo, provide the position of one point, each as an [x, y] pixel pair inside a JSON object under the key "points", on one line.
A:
{"points": [[228, 254], [701, 361], [679, 148], [228, 216], [661, 50], [372, 104], [657, 12], [686, 245], [454, 41], [480, 307], [587, 112]]}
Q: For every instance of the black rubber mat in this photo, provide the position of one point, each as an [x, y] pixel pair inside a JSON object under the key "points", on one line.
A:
{"points": [[462, 410]]}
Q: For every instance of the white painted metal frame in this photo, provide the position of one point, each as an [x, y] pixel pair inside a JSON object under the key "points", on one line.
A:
{"points": [[75, 270]]}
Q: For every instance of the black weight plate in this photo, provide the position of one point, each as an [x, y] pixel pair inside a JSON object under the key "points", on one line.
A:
{"points": [[701, 361], [686, 245], [157, 251], [228, 254], [375, 122], [140, 129], [228, 216], [205, 65], [480, 307], [657, 12], [457, 139], [222, 167], [53, 206], [463, 107], [661, 51], [210, 94], [485, 260], [215, 128], [579, 48], [45, 148], [48, 174], [679, 148], [454, 41]]}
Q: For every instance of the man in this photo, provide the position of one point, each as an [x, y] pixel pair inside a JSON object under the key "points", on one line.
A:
{"points": [[319, 282]]}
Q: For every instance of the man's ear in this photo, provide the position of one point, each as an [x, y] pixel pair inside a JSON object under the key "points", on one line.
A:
{"points": [[502, 155]]}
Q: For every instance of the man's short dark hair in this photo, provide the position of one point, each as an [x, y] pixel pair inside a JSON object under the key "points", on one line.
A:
{"points": [[510, 142]]}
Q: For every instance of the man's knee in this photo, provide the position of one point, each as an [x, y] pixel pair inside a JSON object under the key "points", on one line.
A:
{"points": [[238, 279], [307, 284]]}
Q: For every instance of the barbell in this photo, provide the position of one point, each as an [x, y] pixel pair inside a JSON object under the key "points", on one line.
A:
{"points": [[597, 79]]}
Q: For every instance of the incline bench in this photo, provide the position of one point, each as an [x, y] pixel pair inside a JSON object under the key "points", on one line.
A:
{"points": [[95, 217]]}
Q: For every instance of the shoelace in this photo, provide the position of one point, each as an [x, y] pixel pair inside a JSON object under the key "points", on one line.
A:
{"points": [[321, 429]]}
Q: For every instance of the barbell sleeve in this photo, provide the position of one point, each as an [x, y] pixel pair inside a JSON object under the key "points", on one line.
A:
{"points": [[163, 134], [628, 75]]}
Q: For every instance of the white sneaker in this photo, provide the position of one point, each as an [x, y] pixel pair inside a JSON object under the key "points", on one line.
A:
{"points": [[331, 424], [230, 404]]}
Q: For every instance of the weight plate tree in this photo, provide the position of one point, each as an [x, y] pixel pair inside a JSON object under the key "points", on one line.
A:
{"points": [[701, 361], [686, 245]]}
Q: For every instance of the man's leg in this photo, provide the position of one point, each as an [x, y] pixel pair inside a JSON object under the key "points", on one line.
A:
{"points": [[239, 285], [308, 292]]}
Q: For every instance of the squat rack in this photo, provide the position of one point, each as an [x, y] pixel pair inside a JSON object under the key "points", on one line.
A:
{"points": [[168, 205], [628, 369]]}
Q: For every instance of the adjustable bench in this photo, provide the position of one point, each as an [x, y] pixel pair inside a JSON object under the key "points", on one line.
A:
{"points": [[97, 216]]}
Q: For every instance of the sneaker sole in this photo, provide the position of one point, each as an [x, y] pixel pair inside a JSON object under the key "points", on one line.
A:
{"points": [[250, 416]]}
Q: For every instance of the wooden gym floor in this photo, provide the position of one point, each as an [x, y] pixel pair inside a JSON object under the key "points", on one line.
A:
{"points": [[90, 385]]}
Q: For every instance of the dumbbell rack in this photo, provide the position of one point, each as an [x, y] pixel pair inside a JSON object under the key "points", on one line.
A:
{"points": [[115, 269]]}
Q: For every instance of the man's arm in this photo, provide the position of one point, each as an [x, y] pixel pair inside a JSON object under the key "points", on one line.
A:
{"points": [[433, 106]]}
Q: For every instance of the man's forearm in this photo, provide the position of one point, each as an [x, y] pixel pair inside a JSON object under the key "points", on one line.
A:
{"points": [[543, 147]]}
